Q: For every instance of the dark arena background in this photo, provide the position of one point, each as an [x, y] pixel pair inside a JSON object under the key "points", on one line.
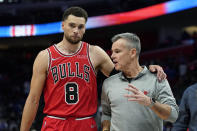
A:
{"points": [[168, 36]]}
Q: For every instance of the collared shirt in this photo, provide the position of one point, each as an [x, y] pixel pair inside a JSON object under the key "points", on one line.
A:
{"points": [[128, 115]]}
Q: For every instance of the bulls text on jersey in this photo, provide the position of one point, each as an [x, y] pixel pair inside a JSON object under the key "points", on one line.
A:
{"points": [[63, 71]]}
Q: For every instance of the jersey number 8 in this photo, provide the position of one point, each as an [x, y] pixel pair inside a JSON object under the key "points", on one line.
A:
{"points": [[71, 93]]}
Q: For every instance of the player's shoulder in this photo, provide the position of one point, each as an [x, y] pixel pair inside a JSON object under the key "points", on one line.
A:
{"points": [[42, 57], [41, 61], [43, 53], [98, 53], [95, 48]]}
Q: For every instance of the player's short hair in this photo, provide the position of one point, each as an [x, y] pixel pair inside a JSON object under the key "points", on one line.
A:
{"points": [[76, 11], [133, 41]]}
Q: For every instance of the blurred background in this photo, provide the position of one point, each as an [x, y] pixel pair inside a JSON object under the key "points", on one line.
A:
{"points": [[168, 33]]}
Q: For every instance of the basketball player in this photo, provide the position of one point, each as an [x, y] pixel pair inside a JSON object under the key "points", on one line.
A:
{"points": [[66, 73]]}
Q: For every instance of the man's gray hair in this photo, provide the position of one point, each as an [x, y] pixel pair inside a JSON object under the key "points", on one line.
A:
{"points": [[133, 41]]}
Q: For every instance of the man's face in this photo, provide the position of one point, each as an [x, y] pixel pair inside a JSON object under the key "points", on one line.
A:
{"points": [[74, 28], [120, 55]]}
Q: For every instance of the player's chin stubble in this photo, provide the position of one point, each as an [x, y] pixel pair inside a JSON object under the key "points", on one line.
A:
{"points": [[73, 41]]}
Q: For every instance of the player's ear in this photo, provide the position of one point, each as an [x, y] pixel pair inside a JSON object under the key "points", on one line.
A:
{"points": [[63, 25]]}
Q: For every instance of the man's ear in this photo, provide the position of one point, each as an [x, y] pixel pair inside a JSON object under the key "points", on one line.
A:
{"points": [[133, 52], [62, 25]]}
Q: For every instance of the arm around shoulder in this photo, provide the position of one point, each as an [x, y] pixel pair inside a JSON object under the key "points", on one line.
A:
{"points": [[101, 59], [37, 83]]}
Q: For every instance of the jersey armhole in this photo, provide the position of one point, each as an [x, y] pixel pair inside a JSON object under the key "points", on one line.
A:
{"points": [[49, 61], [88, 55]]}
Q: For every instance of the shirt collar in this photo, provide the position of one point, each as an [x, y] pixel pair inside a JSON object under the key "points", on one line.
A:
{"points": [[143, 72]]}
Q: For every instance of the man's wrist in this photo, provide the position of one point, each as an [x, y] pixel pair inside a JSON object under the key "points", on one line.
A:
{"points": [[152, 102]]}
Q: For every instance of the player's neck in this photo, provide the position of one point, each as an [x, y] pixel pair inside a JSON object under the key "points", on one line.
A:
{"points": [[67, 47]]}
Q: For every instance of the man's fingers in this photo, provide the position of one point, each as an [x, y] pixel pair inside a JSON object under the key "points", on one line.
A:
{"points": [[164, 75], [132, 96], [132, 90], [161, 75], [152, 68], [135, 99], [133, 87], [129, 95], [132, 99]]}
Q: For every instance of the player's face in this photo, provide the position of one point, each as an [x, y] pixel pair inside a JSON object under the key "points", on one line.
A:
{"points": [[74, 28], [120, 55]]}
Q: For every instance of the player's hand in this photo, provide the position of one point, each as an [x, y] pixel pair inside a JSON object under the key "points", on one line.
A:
{"points": [[105, 129], [161, 75], [137, 96], [106, 125]]}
